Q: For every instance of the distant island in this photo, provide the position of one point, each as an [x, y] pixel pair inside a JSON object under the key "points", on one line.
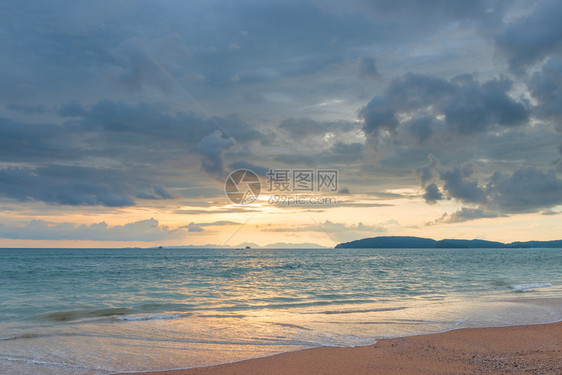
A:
{"points": [[396, 242]]}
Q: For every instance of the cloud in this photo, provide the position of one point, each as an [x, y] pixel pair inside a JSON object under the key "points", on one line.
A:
{"points": [[338, 154], [141, 142], [527, 189], [432, 194], [379, 118], [92, 118], [421, 128], [459, 186], [211, 148], [198, 227], [158, 192], [466, 214], [24, 142], [147, 62], [427, 172], [67, 185], [144, 230], [194, 228], [466, 106], [532, 37], [72, 109], [367, 68], [259, 170], [546, 87], [300, 128], [28, 109]]}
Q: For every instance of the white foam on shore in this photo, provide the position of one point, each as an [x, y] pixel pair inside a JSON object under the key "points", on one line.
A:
{"points": [[149, 317], [530, 287]]}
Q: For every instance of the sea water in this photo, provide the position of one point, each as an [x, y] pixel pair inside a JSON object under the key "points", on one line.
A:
{"points": [[99, 311]]}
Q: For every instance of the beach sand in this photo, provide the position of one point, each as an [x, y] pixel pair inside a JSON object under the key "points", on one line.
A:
{"points": [[532, 349]]}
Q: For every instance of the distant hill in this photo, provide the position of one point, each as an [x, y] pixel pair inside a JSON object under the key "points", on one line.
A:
{"points": [[396, 242]]}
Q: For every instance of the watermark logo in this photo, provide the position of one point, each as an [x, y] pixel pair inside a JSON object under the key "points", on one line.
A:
{"points": [[242, 186], [285, 187], [302, 180]]}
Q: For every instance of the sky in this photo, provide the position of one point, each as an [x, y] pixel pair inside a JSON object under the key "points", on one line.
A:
{"points": [[120, 121]]}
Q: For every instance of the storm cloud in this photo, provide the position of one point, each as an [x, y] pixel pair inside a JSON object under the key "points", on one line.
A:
{"points": [[527, 189], [152, 104], [466, 106], [532, 37]]}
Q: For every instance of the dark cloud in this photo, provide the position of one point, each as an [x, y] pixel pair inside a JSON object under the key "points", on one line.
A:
{"points": [[136, 139], [158, 192], [421, 128], [126, 131], [533, 37], [459, 185], [432, 194], [24, 142], [475, 107], [546, 87], [297, 129], [427, 172], [525, 190], [468, 107], [67, 185], [379, 118], [259, 170], [212, 148]]}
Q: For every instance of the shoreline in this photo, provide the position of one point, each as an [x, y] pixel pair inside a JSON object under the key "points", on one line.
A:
{"points": [[529, 349]]}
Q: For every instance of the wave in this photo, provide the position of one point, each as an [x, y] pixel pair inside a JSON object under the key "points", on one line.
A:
{"points": [[71, 315], [234, 316], [529, 287], [23, 336], [150, 317], [288, 325], [45, 363], [357, 311]]}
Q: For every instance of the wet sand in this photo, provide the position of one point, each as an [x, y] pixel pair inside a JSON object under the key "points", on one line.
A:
{"points": [[532, 349]]}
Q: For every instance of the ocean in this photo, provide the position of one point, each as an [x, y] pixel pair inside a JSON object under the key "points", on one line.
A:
{"points": [[100, 311]]}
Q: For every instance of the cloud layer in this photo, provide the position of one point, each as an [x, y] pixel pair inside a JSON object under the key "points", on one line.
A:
{"points": [[119, 105]]}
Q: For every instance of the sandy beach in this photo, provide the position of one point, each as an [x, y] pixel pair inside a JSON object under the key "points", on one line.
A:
{"points": [[531, 349]]}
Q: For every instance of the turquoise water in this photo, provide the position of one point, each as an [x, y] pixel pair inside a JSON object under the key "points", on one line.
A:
{"points": [[97, 311]]}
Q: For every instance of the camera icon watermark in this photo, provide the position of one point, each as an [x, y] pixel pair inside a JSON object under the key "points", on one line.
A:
{"points": [[284, 187], [242, 186]]}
